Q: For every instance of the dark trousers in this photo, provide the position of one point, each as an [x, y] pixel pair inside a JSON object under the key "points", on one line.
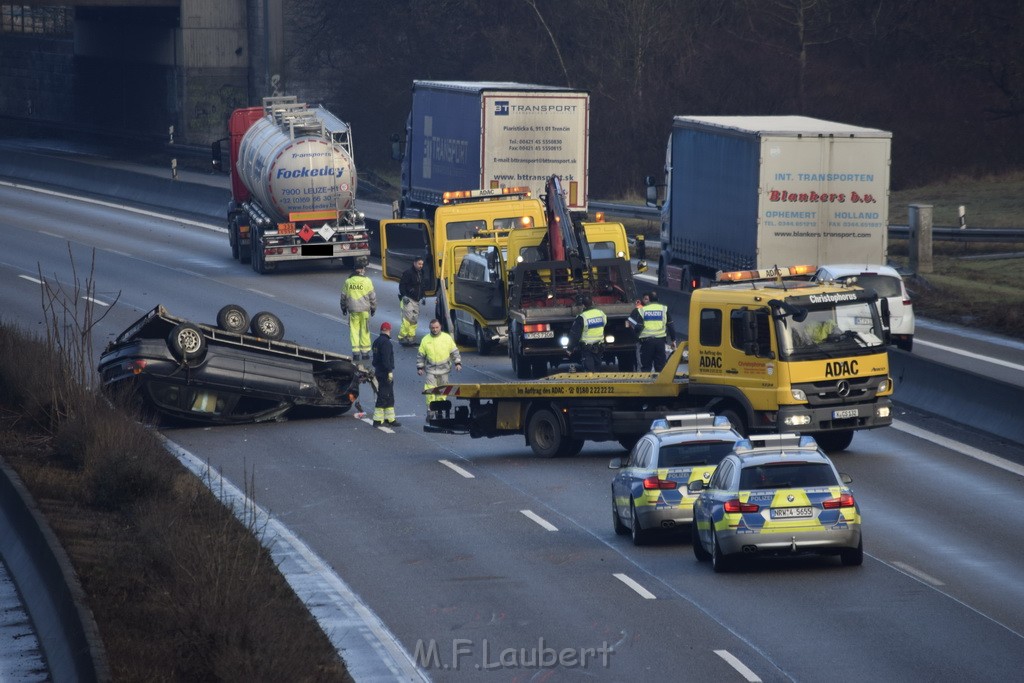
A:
{"points": [[652, 354], [385, 391], [590, 356]]}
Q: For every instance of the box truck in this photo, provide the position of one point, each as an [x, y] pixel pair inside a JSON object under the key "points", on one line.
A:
{"points": [[753, 192], [463, 135]]}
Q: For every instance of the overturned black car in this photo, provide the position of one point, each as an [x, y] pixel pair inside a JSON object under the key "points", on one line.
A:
{"points": [[237, 371]]}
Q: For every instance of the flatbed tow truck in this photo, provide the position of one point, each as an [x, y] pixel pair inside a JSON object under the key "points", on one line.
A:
{"points": [[770, 351]]}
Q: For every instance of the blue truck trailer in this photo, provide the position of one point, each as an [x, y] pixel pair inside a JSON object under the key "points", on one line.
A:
{"points": [[754, 192], [465, 135]]}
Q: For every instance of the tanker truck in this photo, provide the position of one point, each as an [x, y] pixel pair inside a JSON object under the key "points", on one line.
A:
{"points": [[293, 186]]}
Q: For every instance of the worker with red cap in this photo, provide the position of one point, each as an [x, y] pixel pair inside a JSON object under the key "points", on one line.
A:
{"points": [[384, 370]]}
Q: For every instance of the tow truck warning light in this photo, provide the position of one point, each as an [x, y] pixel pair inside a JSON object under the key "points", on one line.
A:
{"points": [[764, 273], [518, 192]]}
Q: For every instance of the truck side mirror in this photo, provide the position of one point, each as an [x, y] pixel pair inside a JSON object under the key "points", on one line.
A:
{"points": [[652, 191], [396, 147]]}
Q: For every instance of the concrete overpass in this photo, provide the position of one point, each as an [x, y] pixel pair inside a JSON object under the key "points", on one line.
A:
{"points": [[139, 67]]}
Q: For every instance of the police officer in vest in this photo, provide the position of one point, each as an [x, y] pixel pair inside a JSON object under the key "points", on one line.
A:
{"points": [[653, 324], [587, 333]]}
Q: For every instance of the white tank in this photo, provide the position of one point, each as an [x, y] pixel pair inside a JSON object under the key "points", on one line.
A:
{"points": [[298, 160]]}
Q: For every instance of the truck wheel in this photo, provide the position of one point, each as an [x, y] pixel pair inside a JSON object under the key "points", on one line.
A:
{"points": [[233, 237], [267, 326], [186, 341], [244, 251], [734, 418], [522, 367], [483, 343], [233, 318], [685, 279], [544, 432], [257, 257], [833, 442]]}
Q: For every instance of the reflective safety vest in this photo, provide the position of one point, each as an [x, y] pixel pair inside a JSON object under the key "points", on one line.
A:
{"points": [[437, 354], [594, 321], [655, 318]]}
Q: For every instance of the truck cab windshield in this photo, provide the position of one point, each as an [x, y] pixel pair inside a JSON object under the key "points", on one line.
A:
{"points": [[846, 329]]}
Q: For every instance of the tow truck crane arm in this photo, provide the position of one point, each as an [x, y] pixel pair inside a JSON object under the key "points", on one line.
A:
{"points": [[564, 242]]}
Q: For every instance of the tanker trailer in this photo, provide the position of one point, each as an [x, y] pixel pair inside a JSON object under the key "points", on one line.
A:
{"points": [[293, 186]]}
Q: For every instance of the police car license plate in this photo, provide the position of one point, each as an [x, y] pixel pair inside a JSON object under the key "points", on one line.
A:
{"points": [[790, 513], [861, 320], [550, 334], [841, 414]]}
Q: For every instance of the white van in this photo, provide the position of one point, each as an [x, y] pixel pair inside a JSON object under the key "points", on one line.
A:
{"points": [[887, 283]]}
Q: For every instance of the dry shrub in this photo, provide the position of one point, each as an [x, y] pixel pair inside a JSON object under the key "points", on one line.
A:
{"points": [[30, 373]]}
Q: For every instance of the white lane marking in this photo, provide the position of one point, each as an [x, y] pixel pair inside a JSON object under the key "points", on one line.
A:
{"points": [[260, 292], [969, 354], [112, 205], [927, 578], [738, 665], [456, 468], [970, 451], [643, 592], [96, 301], [540, 520], [31, 279]]}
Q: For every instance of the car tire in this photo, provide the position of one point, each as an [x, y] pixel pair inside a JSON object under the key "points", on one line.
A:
{"points": [[720, 562], [620, 528], [233, 318], [852, 557], [544, 432], [699, 551], [266, 325], [638, 533], [187, 342]]}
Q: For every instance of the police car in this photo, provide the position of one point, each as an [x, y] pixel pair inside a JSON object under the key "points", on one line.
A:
{"points": [[649, 492], [781, 497]]}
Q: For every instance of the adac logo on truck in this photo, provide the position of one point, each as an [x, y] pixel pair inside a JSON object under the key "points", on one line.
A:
{"points": [[842, 368], [506, 108]]}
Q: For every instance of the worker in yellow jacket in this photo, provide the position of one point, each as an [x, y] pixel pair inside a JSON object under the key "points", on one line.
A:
{"points": [[437, 354], [359, 303]]}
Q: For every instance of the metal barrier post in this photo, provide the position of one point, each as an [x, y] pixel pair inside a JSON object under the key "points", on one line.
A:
{"points": [[920, 243]]}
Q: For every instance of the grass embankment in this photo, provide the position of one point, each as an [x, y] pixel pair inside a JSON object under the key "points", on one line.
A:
{"points": [[180, 589]]}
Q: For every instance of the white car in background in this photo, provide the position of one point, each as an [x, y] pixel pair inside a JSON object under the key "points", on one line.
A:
{"points": [[888, 284]]}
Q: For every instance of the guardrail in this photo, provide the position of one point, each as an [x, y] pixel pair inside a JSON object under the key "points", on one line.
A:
{"points": [[899, 232]]}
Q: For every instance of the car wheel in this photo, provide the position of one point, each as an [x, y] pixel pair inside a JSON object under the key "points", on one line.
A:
{"points": [[620, 528], [719, 561], [699, 551], [853, 557], [638, 533], [483, 344], [544, 433], [187, 342], [267, 326], [233, 318]]}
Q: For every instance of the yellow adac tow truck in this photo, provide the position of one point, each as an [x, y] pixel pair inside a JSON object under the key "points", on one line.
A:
{"points": [[768, 349]]}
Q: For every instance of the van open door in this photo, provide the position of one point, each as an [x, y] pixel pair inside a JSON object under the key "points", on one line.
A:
{"points": [[402, 242]]}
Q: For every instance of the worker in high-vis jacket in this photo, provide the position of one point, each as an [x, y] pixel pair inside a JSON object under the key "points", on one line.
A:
{"points": [[587, 334], [437, 354], [359, 303], [653, 324]]}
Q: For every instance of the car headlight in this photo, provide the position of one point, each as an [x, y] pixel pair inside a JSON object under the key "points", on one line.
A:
{"points": [[796, 420], [883, 411], [883, 386], [798, 394], [610, 339], [564, 341]]}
